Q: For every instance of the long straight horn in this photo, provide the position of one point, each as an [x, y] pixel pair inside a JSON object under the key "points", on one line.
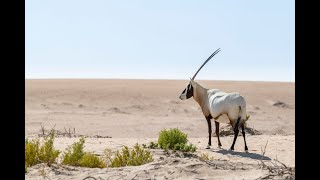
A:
{"points": [[218, 50]]}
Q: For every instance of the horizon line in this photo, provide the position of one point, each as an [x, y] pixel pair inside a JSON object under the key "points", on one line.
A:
{"points": [[161, 79]]}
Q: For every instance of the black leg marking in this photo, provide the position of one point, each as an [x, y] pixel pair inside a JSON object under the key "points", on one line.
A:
{"points": [[236, 132], [244, 137], [217, 132], [209, 129]]}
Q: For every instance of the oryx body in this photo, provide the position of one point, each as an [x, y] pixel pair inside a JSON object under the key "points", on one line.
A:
{"points": [[221, 106], [226, 107]]}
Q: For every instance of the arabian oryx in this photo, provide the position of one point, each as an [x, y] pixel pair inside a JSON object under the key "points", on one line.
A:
{"points": [[221, 106]]}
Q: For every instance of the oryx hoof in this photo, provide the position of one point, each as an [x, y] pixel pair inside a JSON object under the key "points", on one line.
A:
{"points": [[208, 147]]}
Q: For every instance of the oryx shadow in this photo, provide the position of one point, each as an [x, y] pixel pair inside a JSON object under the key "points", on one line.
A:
{"points": [[242, 154]]}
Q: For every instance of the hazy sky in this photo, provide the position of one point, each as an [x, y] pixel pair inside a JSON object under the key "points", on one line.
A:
{"points": [[160, 39]]}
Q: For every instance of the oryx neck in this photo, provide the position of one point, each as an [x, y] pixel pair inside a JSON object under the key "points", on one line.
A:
{"points": [[198, 93]]}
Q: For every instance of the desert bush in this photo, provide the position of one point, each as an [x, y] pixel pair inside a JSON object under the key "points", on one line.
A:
{"points": [[184, 147], [31, 152], [74, 153], [47, 153], [174, 139], [75, 156], [169, 138], [152, 145], [36, 153], [91, 161], [134, 157], [205, 157]]}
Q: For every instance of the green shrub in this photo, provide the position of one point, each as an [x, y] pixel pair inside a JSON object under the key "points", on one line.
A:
{"points": [[31, 152], [175, 140], [75, 156], [185, 147], [169, 138], [74, 153], [91, 161], [47, 153], [137, 156], [152, 145], [35, 154]]}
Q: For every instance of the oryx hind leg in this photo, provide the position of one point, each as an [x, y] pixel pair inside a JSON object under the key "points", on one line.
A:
{"points": [[236, 132], [217, 133], [244, 137]]}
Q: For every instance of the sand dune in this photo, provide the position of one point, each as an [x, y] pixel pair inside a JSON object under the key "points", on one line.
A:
{"points": [[225, 164]]}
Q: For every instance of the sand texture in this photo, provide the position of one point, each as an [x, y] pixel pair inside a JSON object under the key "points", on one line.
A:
{"points": [[113, 113]]}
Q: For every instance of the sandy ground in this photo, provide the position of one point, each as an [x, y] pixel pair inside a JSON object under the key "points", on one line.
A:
{"points": [[133, 111]]}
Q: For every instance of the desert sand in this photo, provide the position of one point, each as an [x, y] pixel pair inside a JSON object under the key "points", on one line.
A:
{"points": [[131, 111]]}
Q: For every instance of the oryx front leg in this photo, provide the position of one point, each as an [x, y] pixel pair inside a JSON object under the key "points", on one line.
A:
{"points": [[209, 130]]}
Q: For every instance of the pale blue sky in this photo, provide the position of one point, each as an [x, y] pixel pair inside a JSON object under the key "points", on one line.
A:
{"points": [[165, 39]]}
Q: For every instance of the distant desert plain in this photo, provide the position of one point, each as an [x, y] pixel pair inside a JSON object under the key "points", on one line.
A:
{"points": [[112, 113]]}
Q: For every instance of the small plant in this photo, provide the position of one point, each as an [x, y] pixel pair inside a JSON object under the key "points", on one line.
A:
{"points": [[169, 138], [75, 156], [185, 148], [175, 140], [35, 154], [205, 157], [137, 156], [144, 146], [108, 153], [91, 161], [74, 153], [152, 145], [247, 117], [31, 152], [47, 153]]}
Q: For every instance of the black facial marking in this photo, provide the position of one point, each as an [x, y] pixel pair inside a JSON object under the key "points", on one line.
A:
{"points": [[189, 91]]}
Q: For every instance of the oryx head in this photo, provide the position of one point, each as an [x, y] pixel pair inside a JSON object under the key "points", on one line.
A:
{"points": [[188, 91]]}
